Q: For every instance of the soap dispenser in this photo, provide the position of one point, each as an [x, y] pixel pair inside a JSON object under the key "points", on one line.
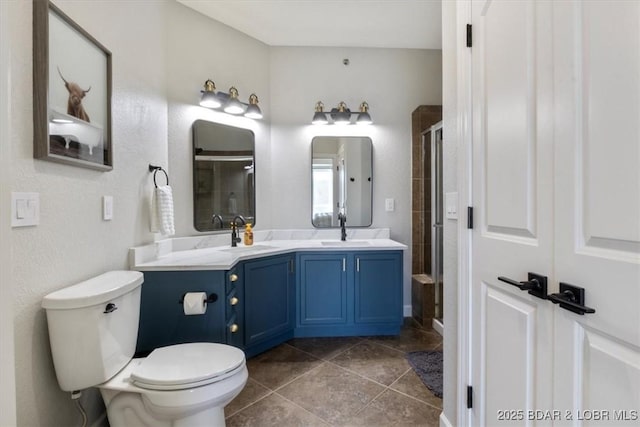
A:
{"points": [[248, 235]]}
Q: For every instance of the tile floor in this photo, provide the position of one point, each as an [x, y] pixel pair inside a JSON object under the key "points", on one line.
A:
{"points": [[339, 382]]}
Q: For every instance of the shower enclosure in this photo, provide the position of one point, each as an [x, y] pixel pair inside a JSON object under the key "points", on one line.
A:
{"points": [[437, 213]]}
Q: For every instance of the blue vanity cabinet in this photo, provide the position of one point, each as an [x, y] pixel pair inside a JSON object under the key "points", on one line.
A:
{"points": [[349, 293], [378, 287], [269, 302], [162, 318], [322, 289]]}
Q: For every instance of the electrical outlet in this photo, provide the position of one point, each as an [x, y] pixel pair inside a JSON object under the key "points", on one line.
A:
{"points": [[389, 205]]}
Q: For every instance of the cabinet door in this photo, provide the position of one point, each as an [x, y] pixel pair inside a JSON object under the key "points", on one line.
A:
{"points": [[322, 289], [378, 287], [269, 298], [162, 318]]}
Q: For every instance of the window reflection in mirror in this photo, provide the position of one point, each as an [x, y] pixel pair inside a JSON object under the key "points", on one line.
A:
{"points": [[341, 178], [223, 175]]}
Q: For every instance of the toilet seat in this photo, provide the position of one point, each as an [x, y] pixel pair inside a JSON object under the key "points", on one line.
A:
{"points": [[183, 366]]}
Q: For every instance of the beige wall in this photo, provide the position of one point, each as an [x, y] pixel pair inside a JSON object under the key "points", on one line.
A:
{"points": [[72, 242]]}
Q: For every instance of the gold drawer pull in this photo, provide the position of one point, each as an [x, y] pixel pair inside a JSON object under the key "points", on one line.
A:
{"points": [[234, 301], [233, 277], [234, 328]]}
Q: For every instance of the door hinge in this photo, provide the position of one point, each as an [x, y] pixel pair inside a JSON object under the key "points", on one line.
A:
{"points": [[469, 36], [470, 218], [469, 397]]}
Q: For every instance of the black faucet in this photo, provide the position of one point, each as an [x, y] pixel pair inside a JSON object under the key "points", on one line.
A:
{"points": [[234, 229], [343, 232], [213, 220]]}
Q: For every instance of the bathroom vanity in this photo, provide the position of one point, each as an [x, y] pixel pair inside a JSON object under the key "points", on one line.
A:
{"points": [[291, 283]]}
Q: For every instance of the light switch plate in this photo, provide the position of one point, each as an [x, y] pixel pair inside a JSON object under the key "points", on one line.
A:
{"points": [[451, 205], [389, 205], [25, 209], [107, 208]]}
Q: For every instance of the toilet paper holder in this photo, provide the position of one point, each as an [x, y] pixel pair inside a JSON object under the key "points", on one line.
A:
{"points": [[212, 298]]}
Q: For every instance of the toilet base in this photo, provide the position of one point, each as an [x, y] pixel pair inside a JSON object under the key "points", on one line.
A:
{"points": [[127, 410]]}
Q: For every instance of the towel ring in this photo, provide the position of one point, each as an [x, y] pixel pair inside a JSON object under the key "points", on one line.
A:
{"points": [[155, 170]]}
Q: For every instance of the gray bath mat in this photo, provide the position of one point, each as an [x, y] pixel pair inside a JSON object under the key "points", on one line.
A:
{"points": [[428, 366]]}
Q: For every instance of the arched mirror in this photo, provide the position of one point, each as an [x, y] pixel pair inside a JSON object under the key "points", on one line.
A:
{"points": [[223, 175], [341, 178]]}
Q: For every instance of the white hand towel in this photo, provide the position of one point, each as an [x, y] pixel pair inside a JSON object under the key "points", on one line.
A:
{"points": [[162, 211]]}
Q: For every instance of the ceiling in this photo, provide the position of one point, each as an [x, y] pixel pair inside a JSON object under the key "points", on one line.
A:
{"points": [[334, 23]]}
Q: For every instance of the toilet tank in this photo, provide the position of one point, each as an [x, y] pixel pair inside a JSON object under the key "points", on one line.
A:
{"points": [[93, 327]]}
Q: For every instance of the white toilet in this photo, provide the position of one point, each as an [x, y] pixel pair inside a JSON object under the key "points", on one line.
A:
{"points": [[93, 327]]}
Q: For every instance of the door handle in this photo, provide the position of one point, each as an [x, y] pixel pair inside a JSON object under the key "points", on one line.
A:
{"points": [[536, 284], [571, 298]]}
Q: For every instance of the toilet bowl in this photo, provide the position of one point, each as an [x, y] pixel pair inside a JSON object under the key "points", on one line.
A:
{"points": [[186, 384], [93, 328]]}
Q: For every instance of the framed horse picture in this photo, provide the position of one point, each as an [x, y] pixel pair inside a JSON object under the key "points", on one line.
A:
{"points": [[71, 90]]}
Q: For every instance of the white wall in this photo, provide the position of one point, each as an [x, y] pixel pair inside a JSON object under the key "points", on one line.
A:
{"points": [[72, 242], [7, 372], [393, 82], [199, 48], [452, 43]]}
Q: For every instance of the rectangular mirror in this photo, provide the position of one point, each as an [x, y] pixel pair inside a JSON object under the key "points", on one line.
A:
{"points": [[223, 175], [341, 180]]}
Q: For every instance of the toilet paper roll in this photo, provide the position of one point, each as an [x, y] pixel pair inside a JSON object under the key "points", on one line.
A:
{"points": [[195, 303]]}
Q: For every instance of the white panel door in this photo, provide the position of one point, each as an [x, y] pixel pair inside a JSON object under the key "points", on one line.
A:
{"points": [[597, 210], [513, 230]]}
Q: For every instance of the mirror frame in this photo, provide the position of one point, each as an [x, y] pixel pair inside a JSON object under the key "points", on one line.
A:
{"points": [[311, 177], [225, 226]]}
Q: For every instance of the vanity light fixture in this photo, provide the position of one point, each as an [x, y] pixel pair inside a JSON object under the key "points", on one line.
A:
{"points": [[364, 118], [319, 117], [253, 111], [229, 102], [341, 115], [209, 98], [233, 105]]}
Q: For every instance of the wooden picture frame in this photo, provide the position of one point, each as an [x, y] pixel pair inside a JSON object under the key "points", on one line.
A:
{"points": [[71, 92]]}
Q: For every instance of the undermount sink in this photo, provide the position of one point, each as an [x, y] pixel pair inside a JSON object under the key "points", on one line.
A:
{"points": [[252, 248], [345, 243]]}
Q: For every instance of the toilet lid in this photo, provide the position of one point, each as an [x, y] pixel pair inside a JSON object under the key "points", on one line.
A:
{"points": [[183, 365]]}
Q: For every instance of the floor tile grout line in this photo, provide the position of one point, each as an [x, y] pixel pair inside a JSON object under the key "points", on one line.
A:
{"points": [[303, 408], [270, 392], [402, 375], [384, 345], [403, 351], [408, 395], [416, 399], [370, 402], [322, 362], [332, 357], [358, 374]]}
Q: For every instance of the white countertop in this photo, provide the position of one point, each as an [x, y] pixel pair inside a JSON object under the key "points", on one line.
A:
{"points": [[214, 252]]}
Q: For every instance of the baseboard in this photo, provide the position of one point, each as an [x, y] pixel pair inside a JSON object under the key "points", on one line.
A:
{"points": [[438, 326], [444, 422], [407, 311]]}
